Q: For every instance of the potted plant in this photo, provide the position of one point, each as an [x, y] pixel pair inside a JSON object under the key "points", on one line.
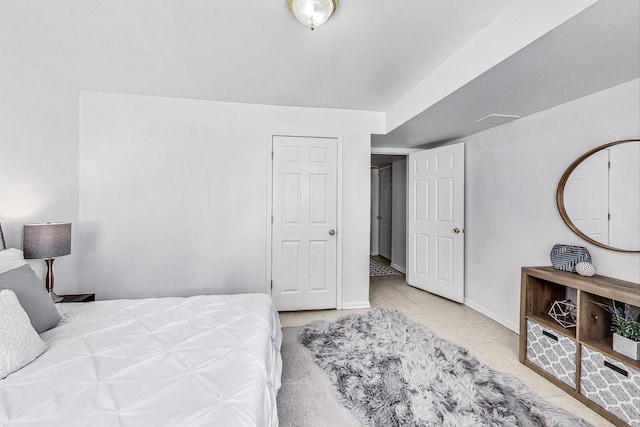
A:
{"points": [[625, 325]]}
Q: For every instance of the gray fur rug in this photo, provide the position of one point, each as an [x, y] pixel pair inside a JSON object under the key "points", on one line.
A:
{"points": [[390, 371]]}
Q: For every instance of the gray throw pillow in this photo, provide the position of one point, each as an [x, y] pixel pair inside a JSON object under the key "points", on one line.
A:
{"points": [[33, 297]]}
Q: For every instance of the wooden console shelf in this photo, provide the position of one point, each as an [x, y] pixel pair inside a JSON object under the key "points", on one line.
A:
{"points": [[573, 356]]}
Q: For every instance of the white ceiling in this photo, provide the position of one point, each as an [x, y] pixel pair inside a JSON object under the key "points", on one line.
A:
{"points": [[366, 57]]}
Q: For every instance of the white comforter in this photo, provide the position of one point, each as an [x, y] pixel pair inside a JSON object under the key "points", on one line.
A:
{"points": [[198, 361]]}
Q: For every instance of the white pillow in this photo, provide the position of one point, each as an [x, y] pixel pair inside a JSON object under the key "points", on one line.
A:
{"points": [[20, 344], [11, 258]]}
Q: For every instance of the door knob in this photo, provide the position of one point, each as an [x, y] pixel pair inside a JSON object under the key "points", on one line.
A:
{"points": [[456, 230], [332, 232]]}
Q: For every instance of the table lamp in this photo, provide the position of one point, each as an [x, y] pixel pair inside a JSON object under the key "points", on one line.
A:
{"points": [[47, 241]]}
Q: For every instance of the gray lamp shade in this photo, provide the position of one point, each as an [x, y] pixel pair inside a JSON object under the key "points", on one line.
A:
{"points": [[48, 240]]}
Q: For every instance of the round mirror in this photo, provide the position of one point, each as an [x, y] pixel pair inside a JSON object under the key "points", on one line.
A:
{"points": [[598, 196]]}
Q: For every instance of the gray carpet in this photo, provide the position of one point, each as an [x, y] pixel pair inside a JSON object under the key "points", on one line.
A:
{"points": [[392, 372], [305, 398]]}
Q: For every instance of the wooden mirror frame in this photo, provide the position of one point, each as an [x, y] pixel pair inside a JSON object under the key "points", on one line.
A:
{"points": [[560, 196]]}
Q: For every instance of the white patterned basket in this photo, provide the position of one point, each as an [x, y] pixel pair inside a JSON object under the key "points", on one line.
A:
{"points": [[552, 352], [611, 384]]}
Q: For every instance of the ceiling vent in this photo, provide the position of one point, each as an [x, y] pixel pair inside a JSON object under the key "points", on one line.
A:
{"points": [[497, 119]]}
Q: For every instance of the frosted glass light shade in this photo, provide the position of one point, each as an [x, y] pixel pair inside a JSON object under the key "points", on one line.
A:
{"points": [[312, 13]]}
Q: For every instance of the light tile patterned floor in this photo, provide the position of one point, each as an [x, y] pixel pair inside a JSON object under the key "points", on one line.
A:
{"points": [[491, 343]]}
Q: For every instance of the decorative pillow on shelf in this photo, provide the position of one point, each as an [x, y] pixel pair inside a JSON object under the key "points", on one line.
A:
{"points": [[20, 344], [11, 258], [33, 297], [565, 257]]}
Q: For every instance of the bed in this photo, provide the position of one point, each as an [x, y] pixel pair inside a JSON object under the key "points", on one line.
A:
{"points": [[197, 361], [203, 360]]}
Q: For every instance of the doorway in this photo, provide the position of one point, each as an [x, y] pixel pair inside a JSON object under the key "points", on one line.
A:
{"points": [[388, 209], [433, 240]]}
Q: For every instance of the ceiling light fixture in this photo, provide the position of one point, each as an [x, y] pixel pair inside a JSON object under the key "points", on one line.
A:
{"points": [[312, 13]]}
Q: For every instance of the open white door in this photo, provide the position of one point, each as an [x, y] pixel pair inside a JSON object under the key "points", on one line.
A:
{"points": [[304, 223], [435, 221]]}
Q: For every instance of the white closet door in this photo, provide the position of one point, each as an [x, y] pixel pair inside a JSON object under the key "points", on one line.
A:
{"points": [[304, 251]]}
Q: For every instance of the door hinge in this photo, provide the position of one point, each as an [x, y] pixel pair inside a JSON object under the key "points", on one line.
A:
{"points": [[272, 285], [609, 216], [272, 154], [609, 165], [271, 219]]}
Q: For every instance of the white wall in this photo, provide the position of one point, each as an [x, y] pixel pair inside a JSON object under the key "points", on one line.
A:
{"points": [[173, 193], [399, 216], [38, 157], [375, 206], [512, 172]]}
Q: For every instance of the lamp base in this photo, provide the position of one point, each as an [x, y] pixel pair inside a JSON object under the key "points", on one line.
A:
{"points": [[55, 297], [49, 281]]}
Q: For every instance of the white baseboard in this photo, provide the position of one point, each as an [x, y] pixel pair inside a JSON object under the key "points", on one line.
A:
{"points": [[491, 315], [355, 305], [397, 267]]}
